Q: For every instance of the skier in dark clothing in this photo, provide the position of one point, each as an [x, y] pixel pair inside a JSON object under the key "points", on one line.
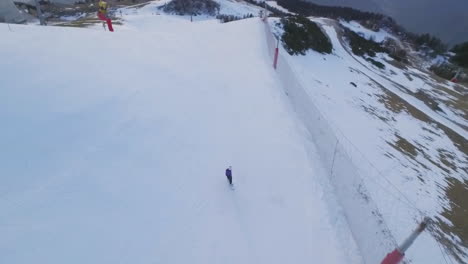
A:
{"points": [[229, 174]]}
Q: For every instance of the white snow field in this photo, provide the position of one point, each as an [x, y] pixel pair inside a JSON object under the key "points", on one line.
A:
{"points": [[114, 146]]}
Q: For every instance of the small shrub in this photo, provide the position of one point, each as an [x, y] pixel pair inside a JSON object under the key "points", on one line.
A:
{"points": [[361, 46], [445, 70], [400, 55], [301, 34], [395, 51], [461, 55], [378, 64]]}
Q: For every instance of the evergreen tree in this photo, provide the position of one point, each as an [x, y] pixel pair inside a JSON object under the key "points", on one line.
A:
{"points": [[461, 55], [361, 46], [301, 34], [432, 42]]}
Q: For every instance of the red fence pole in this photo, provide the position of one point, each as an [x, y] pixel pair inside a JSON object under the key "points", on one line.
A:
{"points": [[455, 78], [397, 255], [393, 258], [107, 20], [275, 60]]}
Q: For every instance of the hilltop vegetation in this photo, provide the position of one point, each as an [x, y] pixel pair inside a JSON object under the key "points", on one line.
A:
{"points": [[301, 34], [362, 46], [311, 9], [461, 54], [192, 7], [427, 41]]}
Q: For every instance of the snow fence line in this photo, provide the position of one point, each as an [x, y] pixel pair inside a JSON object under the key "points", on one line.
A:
{"points": [[367, 225]]}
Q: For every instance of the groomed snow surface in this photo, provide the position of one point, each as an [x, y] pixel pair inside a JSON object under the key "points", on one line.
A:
{"points": [[114, 148]]}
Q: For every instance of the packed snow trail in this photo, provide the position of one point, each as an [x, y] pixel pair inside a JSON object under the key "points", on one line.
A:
{"points": [[115, 146]]}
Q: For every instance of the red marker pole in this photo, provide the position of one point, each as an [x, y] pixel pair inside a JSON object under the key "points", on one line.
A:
{"points": [[275, 60], [393, 258], [397, 255], [107, 20], [455, 78]]}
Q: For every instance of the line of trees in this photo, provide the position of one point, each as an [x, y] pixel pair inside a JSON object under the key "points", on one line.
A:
{"points": [[192, 7], [310, 9], [228, 18], [429, 41]]}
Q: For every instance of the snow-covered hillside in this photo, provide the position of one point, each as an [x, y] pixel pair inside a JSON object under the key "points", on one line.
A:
{"points": [[114, 148], [379, 36], [407, 153]]}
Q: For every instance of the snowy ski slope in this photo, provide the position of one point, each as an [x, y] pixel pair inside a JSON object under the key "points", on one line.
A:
{"points": [[114, 148]]}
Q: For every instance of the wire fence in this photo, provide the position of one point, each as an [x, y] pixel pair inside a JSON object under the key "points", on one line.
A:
{"points": [[368, 227]]}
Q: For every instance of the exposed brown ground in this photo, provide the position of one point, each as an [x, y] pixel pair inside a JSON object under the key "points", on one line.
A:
{"points": [[457, 191]]}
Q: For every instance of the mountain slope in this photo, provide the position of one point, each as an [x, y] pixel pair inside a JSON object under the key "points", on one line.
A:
{"points": [[115, 147], [409, 156]]}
